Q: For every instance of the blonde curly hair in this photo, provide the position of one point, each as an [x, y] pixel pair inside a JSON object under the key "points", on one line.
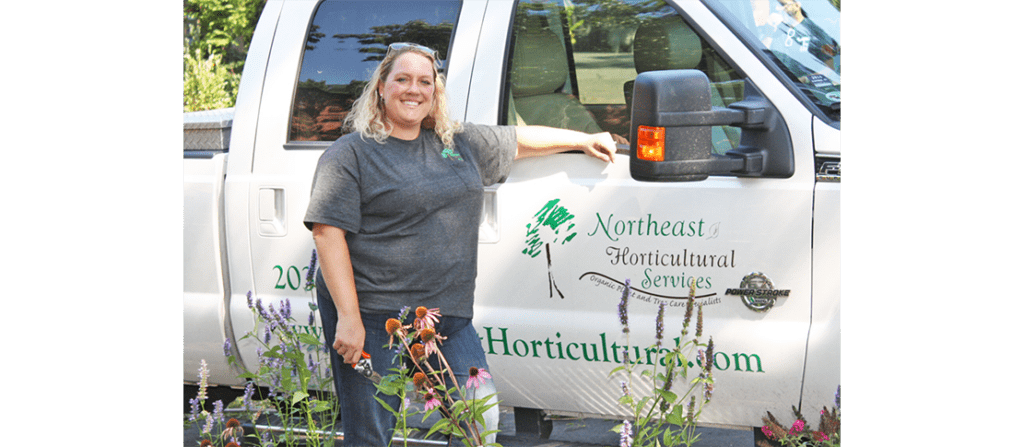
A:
{"points": [[369, 118]]}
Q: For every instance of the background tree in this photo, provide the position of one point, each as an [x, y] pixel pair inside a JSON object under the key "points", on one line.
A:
{"points": [[217, 34]]}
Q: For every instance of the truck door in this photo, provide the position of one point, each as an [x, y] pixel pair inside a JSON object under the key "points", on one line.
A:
{"points": [[570, 230], [322, 56]]}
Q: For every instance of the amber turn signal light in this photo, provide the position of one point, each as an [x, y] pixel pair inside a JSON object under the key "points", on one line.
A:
{"points": [[650, 143]]}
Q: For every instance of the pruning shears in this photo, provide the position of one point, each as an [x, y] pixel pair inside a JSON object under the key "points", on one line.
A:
{"points": [[365, 368]]}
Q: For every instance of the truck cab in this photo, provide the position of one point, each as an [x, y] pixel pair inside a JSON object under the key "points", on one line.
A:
{"points": [[742, 205]]}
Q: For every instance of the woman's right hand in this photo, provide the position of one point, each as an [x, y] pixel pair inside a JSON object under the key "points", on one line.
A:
{"points": [[349, 336]]}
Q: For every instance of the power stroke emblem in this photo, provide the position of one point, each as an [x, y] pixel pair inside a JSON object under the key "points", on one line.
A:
{"points": [[757, 292]]}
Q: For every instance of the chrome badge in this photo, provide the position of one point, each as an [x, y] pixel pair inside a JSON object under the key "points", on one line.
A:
{"points": [[757, 292]]}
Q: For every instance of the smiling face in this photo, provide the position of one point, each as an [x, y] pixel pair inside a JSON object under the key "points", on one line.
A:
{"points": [[408, 94]]}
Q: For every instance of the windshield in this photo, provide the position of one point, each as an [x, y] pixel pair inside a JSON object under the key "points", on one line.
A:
{"points": [[801, 38]]}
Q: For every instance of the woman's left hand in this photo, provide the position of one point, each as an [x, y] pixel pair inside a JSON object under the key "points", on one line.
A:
{"points": [[600, 146]]}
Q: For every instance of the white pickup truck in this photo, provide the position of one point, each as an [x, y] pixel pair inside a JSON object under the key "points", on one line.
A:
{"points": [[730, 184]]}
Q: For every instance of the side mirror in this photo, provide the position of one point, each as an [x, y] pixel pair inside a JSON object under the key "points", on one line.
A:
{"points": [[670, 131]]}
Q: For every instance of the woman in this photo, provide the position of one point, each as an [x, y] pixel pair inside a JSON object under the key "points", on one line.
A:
{"points": [[394, 211]]}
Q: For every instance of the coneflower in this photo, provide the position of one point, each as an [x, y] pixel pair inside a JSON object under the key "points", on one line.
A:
{"points": [[426, 318], [419, 379], [233, 429], [623, 314], [476, 377], [417, 351], [430, 400]]}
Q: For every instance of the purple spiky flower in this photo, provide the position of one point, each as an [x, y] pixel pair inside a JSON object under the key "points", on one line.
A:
{"points": [[311, 273], [623, 314], [626, 436], [709, 355], [250, 389], [659, 326], [218, 411]]}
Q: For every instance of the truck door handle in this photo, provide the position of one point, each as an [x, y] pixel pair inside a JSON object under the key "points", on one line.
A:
{"points": [[271, 209]]}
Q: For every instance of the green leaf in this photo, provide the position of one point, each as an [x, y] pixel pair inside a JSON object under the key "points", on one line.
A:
{"points": [[299, 396], [673, 418], [385, 405], [444, 425], [309, 339]]}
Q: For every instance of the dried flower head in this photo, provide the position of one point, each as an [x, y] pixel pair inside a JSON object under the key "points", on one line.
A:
{"points": [[419, 379], [417, 351], [234, 429], [428, 335], [392, 325], [426, 318]]}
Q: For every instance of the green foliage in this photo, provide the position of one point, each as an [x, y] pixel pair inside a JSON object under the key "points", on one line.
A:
{"points": [[217, 37], [209, 84], [669, 416], [222, 27]]}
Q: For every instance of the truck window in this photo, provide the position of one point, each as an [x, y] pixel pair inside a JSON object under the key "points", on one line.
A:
{"points": [[345, 41], [573, 63]]}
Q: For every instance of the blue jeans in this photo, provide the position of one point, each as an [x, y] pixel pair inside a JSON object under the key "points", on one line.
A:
{"points": [[365, 421]]}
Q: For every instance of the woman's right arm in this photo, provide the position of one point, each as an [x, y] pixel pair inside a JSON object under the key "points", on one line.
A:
{"points": [[336, 265]]}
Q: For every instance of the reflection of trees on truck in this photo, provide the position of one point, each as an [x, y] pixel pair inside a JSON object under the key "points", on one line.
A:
{"points": [[321, 105]]}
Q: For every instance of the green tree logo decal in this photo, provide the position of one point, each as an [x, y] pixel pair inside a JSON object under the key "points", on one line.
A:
{"points": [[554, 222]]}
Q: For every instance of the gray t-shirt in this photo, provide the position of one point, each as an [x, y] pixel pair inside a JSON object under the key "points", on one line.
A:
{"points": [[411, 213]]}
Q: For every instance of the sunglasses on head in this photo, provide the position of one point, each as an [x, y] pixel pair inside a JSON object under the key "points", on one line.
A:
{"points": [[397, 46]]}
